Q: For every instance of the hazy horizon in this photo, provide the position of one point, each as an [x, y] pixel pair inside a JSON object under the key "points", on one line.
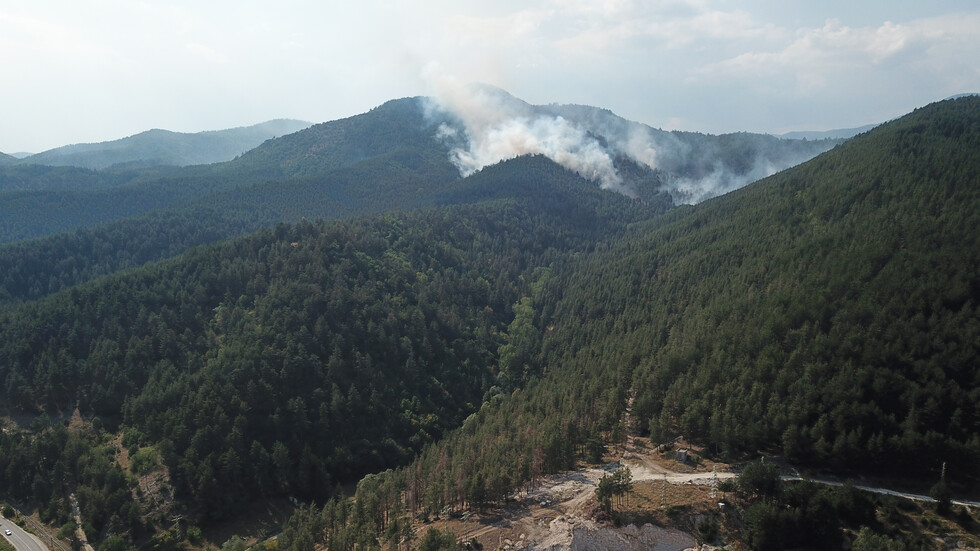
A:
{"points": [[100, 71]]}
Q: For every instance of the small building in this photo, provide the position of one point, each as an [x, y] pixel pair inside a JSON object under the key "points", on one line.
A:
{"points": [[681, 456]]}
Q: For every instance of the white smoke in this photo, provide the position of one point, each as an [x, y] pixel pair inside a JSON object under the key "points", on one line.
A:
{"points": [[639, 147], [691, 191], [499, 127], [553, 137], [483, 126]]}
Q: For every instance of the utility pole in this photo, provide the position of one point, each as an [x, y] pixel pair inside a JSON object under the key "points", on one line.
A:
{"points": [[176, 520], [663, 494]]}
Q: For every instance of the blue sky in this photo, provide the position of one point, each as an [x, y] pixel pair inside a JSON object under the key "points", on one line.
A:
{"points": [[104, 69]]}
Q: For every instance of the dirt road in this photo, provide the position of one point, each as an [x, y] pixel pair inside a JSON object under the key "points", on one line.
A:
{"points": [[558, 513]]}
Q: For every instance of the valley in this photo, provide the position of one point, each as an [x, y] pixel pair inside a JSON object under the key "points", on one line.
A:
{"points": [[381, 322]]}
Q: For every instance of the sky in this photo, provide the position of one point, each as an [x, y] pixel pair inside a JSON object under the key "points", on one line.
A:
{"points": [[81, 71]]}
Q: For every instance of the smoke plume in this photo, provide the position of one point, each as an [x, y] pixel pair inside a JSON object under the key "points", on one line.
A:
{"points": [[496, 126], [482, 125]]}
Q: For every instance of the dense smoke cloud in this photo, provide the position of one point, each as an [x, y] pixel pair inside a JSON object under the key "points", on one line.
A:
{"points": [[483, 125], [498, 126]]}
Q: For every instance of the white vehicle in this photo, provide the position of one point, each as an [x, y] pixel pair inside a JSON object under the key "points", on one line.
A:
{"points": [[7, 532]]}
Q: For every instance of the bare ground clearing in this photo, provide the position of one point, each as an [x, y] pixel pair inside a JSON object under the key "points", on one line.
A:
{"points": [[561, 513]]}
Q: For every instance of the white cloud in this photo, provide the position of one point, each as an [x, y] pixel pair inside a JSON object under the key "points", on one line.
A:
{"points": [[606, 30], [496, 30], [829, 56], [23, 36]]}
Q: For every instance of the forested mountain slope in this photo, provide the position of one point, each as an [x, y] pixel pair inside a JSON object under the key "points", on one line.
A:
{"points": [[396, 125], [284, 362], [163, 147], [828, 313], [380, 148], [38, 201], [33, 269], [49, 178]]}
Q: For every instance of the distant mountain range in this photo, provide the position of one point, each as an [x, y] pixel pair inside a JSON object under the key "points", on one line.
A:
{"points": [[163, 147], [838, 134]]}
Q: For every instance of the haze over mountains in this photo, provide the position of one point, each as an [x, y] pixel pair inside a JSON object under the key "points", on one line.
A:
{"points": [[838, 134], [163, 147]]}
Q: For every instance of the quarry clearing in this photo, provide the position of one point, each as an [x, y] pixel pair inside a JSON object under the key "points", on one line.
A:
{"points": [[561, 512]]}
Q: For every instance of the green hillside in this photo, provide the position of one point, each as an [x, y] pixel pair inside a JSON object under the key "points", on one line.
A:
{"points": [[36, 201], [194, 211], [396, 156], [397, 125], [33, 269], [827, 314], [497, 327], [317, 352], [28, 178]]}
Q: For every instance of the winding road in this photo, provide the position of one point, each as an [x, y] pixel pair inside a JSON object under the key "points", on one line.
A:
{"points": [[20, 538]]}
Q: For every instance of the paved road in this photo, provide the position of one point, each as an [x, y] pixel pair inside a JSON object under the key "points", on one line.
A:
{"points": [[886, 491], [19, 538]]}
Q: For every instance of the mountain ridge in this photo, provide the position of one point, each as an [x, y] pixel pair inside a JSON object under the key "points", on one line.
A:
{"points": [[839, 133], [164, 147]]}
